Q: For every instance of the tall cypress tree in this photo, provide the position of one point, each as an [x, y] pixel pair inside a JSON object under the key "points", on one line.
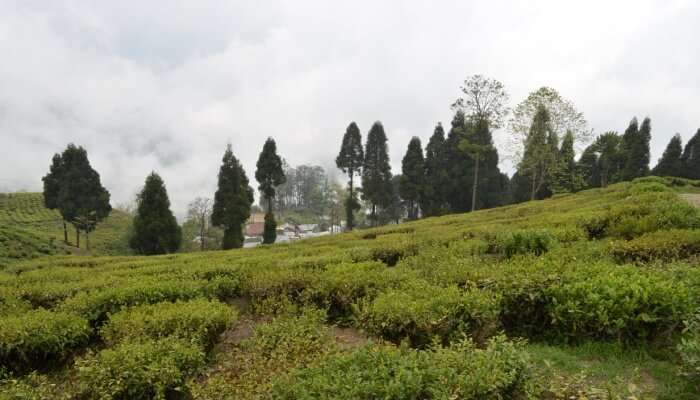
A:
{"points": [[670, 163], [82, 200], [566, 178], [269, 174], [412, 179], [156, 230], [376, 171], [540, 155], [434, 196], [611, 160], [691, 157], [636, 149], [459, 166], [232, 201], [52, 186], [587, 167], [350, 161]]}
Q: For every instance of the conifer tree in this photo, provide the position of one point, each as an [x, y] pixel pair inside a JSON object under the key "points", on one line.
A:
{"points": [[269, 175], [376, 171], [82, 200], [670, 163], [232, 201], [434, 196], [691, 157], [477, 146], [540, 155], [611, 159], [350, 161], [413, 177], [566, 178], [587, 167], [52, 186], [459, 166], [155, 229], [635, 143]]}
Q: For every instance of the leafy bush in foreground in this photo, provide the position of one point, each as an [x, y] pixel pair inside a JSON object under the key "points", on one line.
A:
{"points": [[535, 242], [381, 372], [689, 349], [419, 311], [40, 338], [660, 245], [198, 321], [142, 370]]}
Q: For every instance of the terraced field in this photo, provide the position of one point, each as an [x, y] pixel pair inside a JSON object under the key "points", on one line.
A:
{"points": [[586, 296], [29, 230]]}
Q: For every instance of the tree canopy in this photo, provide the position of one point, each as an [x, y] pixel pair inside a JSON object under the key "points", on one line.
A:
{"points": [[232, 200], [155, 229], [376, 170], [412, 181]]}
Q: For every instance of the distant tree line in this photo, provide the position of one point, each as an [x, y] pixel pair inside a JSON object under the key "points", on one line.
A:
{"points": [[456, 172]]}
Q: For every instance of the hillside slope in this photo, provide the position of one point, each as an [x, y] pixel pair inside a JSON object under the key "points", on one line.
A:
{"points": [[29, 230], [600, 283]]}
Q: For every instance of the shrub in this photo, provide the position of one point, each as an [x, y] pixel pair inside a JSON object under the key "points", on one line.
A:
{"points": [[96, 305], [652, 211], [139, 370], [689, 348], [278, 284], [40, 338], [527, 241], [628, 307], [419, 311], [341, 286], [381, 372], [31, 387], [661, 245], [196, 321]]}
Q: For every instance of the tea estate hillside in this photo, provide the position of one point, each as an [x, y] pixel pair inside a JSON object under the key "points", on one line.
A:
{"points": [[29, 230], [593, 295]]}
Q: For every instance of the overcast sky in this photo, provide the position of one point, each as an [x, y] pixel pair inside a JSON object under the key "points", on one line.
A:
{"points": [[164, 85]]}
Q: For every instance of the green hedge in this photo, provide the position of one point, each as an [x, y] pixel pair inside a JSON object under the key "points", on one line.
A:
{"points": [[419, 311], [660, 245], [139, 370], [461, 371], [198, 321], [40, 338], [689, 348], [526, 241]]}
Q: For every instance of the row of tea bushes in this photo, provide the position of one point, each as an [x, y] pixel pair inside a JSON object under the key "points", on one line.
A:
{"points": [[667, 245]]}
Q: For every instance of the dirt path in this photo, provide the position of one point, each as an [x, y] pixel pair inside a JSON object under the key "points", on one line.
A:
{"points": [[692, 198]]}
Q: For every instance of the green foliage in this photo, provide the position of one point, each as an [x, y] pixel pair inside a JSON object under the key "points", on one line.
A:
{"points": [[635, 148], [459, 371], [156, 230], [270, 231], [40, 339], [665, 245], [139, 370], [529, 241], [197, 321], [232, 200], [539, 160], [433, 199], [420, 311], [269, 173], [670, 163], [689, 348], [691, 157]]}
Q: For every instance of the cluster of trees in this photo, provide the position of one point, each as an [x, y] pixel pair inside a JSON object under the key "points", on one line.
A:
{"points": [[457, 172], [73, 188]]}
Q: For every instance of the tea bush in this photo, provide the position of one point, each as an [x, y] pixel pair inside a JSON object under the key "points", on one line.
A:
{"points": [[689, 348], [499, 371], [40, 338], [660, 245], [197, 321], [139, 370], [419, 311], [535, 242]]}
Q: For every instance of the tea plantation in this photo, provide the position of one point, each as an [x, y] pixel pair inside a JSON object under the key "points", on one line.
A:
{"points": [[594, 295], [29, 230]]}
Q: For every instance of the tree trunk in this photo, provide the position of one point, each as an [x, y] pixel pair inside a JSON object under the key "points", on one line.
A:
{"points": [[201, 235], [534, 187], [77, 237], [87, 240], [374, 214], [65, 232], [349, 223], [476, 181]]}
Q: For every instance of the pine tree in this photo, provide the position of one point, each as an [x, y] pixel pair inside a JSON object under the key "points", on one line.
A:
{"points": [[350, 161], [636, 149], [155, 229], [376, 171], [52, 186], [434, 196], [412, 178], [611, 159], [459, 166], [587, 167], [566, 178], [691, 157], [232, 201], [477, 145], [269, 174], [670, 163], [396, 208], [82, 200], [540, 155]]}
